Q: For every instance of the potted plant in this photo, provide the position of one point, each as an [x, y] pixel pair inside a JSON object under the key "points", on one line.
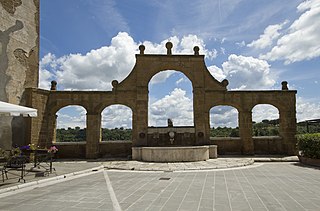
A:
{"points": [[309, 149]]}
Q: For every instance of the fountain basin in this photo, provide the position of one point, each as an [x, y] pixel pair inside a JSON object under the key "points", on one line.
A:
{"points": [[174, 154]]}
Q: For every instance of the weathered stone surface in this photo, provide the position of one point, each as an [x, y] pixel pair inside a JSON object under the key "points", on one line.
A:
{"points": [[171, 154], [19, 47], [10, 5], [133, 92]]}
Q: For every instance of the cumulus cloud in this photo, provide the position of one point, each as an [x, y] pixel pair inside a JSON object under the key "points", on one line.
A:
{"points": [[241, 44], [244, 73], [216, 72], [304, 105], [270, 34], [161, 77], [46, 63], [99, 67], [117, 116], [96, 69], [263, 111], [176, 106], [71, 116], [301, 42], [223, 116]]}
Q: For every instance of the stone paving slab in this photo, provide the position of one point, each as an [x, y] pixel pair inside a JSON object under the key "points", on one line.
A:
{"points": [[62, 168], [219, 163], [69, 168], [262, 186]]}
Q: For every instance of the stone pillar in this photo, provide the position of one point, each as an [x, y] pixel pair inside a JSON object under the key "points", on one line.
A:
{"points": [[140, 118], [46, 140], [245, 129], [93, 135], [201, 117], [287, 131], [206, 120]]}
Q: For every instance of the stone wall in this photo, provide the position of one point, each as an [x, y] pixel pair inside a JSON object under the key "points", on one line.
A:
{"points": [[19, 47], [107, 149], [133, 92], [265, 145], [36, 128]]}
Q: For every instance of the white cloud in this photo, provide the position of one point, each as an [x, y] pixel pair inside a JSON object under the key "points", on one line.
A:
{"points": [[223, 50], [161, 77], [176, 106], [216, 72], [270, 34], [71, 116], [179, 81], [223, 116], [96, 69], [302, 40], [241, 44], [117, 116], [244, 73], [307, 110], [45, 76], [180, 46], [264, 111]]}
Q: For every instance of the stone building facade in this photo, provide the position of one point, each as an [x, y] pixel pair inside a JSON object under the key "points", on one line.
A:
{"points": [[19, 47], [133, 92]]}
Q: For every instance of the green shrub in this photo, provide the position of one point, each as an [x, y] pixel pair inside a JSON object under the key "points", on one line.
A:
{"points": [[309, 145]]}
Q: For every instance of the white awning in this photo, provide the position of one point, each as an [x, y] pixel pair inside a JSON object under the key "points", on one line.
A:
{"points": [[8, 109]]}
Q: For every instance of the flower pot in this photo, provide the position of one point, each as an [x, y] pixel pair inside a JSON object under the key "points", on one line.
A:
{"points": [[309, 161]]}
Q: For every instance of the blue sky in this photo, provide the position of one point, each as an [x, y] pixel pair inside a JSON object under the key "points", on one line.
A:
{"points": [[85, 44]]}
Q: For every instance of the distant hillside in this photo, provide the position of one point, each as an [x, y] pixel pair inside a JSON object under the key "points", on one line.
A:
{"points": [[263, 128]]}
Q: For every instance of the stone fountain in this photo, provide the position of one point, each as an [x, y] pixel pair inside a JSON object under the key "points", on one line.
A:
{"points": [[173, 144]]}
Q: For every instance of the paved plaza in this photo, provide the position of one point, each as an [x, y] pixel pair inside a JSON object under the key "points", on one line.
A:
{"points": [[259, 186]]}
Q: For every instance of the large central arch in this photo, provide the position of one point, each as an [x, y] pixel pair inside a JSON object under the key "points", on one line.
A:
{"points": [[192, 66]]}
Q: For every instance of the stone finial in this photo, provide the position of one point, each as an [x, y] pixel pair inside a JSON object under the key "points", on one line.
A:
{"points": [[196, 50], [169, 46], [53, 85], [114, 83], [142, 48], [284, 85], [225, 82], [170, 123]]}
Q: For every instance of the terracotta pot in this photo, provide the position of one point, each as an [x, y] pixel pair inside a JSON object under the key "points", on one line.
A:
{"points": [[309, 161]]}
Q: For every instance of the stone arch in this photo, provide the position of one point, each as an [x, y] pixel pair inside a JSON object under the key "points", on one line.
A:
{"points": [[54, 108], [57, 123], [259, 122], [226, 106], [151, 76], [192, 66], [133, 92], [175, 117], [102, 139], [103, 105], [229, 143]]}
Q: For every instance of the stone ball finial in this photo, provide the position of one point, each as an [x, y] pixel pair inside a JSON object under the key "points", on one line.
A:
{"points": [[142, 48], [225, 82], [169, 46], [114, 83], [196, 50], [170, 123], [284, 85], [53, 85]]}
